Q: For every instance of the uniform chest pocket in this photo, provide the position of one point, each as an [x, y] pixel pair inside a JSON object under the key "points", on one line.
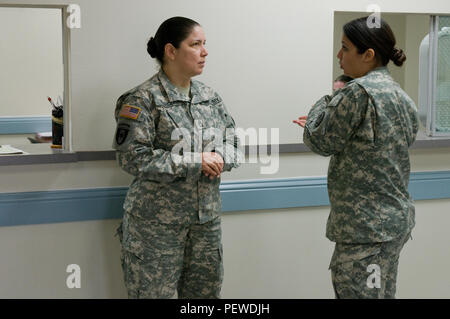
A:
{"points": [[210, 115], [170, 122]]}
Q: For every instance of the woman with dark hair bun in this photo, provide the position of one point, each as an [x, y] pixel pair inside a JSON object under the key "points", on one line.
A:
{"points": [[176, 137], [366, 127]]}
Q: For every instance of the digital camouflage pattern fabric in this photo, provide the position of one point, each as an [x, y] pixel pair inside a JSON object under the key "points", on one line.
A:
{"points": [[156, 266], [367, 128], [170, 234], [366, 271], [170, 187]]}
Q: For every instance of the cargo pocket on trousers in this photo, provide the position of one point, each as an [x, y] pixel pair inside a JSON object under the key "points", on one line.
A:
{"points": [[344, 253], [215, 256], [214, 273], [213, 264], [119, 232], [132, 273], [349, 267]]}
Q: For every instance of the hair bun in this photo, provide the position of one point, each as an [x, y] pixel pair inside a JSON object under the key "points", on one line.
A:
{"points": [[398, 57], [151, 47]]}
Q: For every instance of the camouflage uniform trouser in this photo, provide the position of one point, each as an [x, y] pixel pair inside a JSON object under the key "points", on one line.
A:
{"points": [[161, 259], [366, 270]]}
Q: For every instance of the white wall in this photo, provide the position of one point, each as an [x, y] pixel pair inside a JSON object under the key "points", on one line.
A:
{"points": [[267, 254], [273, 254]]}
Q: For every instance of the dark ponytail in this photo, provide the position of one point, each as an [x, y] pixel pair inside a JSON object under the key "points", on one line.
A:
{"points": [[381, 39], [174, 30]]}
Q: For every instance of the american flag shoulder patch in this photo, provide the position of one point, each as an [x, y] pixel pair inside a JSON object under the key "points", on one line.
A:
{"points": [[130, 112]]}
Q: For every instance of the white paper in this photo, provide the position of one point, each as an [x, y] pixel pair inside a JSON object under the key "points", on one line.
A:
{"points": [[8, 149]]}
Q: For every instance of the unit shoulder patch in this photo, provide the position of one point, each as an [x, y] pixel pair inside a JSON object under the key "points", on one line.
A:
{"points": [[122, 133]]}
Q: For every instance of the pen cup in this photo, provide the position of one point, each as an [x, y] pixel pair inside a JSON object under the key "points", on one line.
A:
{"points": [[57, 131]]}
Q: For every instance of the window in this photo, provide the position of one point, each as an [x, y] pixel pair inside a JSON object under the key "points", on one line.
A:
{"points": [[34, 62]]}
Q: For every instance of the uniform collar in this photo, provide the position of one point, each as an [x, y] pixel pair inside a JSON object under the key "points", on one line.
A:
{"points": [[171, 90], [199, 92], [173, 94], [380, 73], [380, 70]]}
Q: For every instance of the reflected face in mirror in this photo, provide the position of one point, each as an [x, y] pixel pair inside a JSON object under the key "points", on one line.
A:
{"points": [[353, 63], [338, 85], [190, 57]]}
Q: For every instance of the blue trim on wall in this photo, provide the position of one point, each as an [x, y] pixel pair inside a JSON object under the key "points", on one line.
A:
{"points": [[106, 203], [61, 206], [275, 193], [25, 125]]}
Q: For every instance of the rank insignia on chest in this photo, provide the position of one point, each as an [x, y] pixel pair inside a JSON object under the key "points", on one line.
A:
{"points": [[215, 101], [130, 112]]}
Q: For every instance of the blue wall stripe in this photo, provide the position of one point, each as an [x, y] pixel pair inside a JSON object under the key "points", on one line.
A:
{"points": [[60, 206], [271, 194], [25, 125], [106, 203]]}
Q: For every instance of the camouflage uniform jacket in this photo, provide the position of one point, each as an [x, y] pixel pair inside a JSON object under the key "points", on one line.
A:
{"points": [[367, 128], [169, 186]]}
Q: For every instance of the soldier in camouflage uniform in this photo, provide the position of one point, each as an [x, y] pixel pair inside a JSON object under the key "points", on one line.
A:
{"points": [[367, 128], [176, 141]]}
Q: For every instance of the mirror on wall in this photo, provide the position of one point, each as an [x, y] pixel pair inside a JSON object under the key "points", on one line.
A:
{"points": [[32, 69], [409, 30]]}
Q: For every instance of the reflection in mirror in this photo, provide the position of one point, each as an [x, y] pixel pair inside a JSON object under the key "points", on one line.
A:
{"points": [[409, 30], [31, 64], [443, 77]]}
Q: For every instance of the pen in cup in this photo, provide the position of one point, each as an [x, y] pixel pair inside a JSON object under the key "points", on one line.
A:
{"points": [[51, 102]]}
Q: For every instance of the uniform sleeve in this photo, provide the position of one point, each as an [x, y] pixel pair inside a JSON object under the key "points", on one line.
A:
{"points": [[135, 151], [229, 150], [333, 120]]}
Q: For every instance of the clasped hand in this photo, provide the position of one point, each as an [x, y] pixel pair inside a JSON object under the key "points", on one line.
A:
{"points": [[212, 164]]}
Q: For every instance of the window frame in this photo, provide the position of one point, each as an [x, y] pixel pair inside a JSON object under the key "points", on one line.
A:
{"points": [[431, 81], [66, 40]]}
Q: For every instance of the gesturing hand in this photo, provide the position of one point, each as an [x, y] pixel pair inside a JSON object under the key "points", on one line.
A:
{"points": [[301, 121], [212, 164]]}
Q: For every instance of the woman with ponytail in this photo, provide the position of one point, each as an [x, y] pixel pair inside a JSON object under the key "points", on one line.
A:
{"points": [[366, 127]]}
